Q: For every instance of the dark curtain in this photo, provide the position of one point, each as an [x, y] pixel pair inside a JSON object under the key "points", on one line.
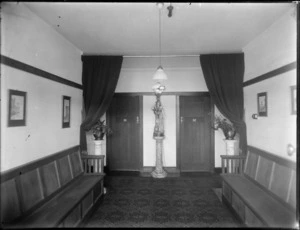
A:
{"points": [[224, 76], [100, 75]]}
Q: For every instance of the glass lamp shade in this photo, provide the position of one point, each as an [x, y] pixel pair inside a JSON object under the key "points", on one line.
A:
{"points": [[160, 74]]}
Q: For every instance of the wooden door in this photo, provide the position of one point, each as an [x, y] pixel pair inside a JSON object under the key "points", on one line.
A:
{"points": [[123, 149], [195, 134]]}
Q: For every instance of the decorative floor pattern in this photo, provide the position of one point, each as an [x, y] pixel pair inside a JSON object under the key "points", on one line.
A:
{"points": [[169, 202]]}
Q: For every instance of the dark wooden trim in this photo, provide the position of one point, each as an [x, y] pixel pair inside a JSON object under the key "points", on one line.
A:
{"points": [[141, 123], [11, 173], [279, 160], [36, 71], [178, 160], [164, 93], [271, 74], [108, 142], [212, 136]]}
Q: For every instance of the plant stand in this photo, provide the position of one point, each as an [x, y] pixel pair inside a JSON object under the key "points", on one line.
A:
{"points": [[159, 171], [98, 151], [231, 149]]}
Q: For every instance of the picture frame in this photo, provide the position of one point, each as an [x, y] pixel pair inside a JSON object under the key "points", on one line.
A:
{"points": [[66, 111], [16, 108], [293, 100], [262, 104]]}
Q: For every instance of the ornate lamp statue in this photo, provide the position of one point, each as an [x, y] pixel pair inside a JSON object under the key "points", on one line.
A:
{"points": [[159, 133]]}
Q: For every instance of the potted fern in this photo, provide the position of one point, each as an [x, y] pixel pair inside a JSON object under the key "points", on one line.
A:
{"points": [[100, 129], [226, 126]]}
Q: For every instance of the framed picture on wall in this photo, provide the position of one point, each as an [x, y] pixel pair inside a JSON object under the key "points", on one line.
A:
{"points": [[17, 108], [66, 112], [262, 104], [294, 99]]}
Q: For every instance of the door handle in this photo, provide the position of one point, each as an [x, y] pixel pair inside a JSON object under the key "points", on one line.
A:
{"points": [[181, 119], [194, 119], [124, 120], [137, 120]]}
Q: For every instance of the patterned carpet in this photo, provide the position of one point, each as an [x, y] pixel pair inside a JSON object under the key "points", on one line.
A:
{"points": [[133, 201]]}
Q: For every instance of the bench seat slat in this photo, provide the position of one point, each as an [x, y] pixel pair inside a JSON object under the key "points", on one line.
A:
{"points": [[271, 210], [57, 208]]}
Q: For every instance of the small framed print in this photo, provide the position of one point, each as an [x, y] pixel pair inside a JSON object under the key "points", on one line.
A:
{"points": [[262, 104], [294, 99], [66, 112], [17, 108]]}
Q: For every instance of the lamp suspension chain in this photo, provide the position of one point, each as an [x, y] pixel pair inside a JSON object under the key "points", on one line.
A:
{"points": [[159, 37]]}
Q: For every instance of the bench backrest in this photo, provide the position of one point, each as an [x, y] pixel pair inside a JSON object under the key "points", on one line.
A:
{"points": [[274, 174], [27, 187]]}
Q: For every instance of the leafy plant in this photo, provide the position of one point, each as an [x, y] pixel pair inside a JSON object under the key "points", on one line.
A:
{"points": [[100, 129], [226, 126]]}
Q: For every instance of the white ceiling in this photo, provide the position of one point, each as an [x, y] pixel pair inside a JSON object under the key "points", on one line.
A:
{"points": [[133, 28]]}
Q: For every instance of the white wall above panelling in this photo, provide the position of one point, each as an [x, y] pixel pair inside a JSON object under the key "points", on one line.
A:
{"points": [[43, 133], [275, 47], [274, 132], [27, 38], [184, 75]]}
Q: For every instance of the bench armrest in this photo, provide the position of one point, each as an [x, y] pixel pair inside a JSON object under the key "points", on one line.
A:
{"points": [[233, 164], [93, 164]]}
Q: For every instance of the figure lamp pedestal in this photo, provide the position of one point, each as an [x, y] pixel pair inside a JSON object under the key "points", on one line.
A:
{"points": [[159, 172]]}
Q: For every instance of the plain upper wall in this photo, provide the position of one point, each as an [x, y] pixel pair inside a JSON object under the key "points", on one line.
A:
{"points": [[28, 39], [272, 49]]}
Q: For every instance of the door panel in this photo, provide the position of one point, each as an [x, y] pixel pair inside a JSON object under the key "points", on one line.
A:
{"points": [[123, 148], [195, 133]]}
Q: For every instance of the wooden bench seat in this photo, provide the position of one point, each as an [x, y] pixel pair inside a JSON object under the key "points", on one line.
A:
{"points": [[264, 195], [51, 192], [56, 210], [269, 209]]}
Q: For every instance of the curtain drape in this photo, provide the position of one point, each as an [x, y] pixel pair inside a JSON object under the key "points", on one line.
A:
{"points": [[224, 76], [100, 75]]}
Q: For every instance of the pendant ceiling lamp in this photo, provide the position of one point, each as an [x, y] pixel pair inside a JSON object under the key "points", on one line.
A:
{"points": [[160, 74]]}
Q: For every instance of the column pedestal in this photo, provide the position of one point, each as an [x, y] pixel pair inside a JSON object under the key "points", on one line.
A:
{"points": [[159, 171]]}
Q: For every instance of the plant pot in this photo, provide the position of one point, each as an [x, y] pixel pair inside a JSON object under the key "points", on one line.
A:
{"points": [[229, 135], [231, 147], [99, 137], [98, 147]]}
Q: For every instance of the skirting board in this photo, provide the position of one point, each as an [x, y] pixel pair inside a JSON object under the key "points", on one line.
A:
{"points": [[171, 171]]}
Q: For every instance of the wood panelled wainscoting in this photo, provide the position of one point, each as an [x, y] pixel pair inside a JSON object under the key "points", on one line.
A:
{"points": [[54, 191], [264, 194]]}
